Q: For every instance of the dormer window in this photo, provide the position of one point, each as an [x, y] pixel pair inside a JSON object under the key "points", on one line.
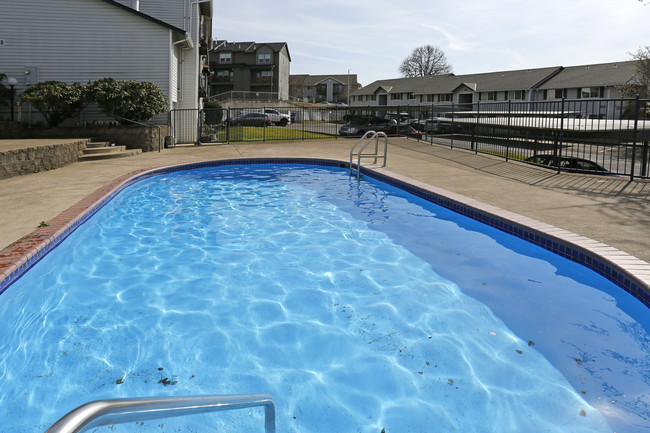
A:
{"points": [[264, 58], [225, 57]]}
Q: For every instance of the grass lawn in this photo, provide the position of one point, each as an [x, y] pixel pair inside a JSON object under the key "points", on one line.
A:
{"points": [[255, 133]]}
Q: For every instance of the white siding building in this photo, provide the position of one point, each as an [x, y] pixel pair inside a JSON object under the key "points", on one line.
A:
{"points": [[86, 40]]}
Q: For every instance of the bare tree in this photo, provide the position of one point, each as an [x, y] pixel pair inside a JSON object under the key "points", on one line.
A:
{"points": [[640, 85], [425, 60]]}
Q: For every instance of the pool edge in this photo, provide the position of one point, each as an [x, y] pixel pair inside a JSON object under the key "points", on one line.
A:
{"points": [[626, 271]]}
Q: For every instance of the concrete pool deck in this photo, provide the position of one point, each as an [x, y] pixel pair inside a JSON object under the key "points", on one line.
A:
{"points": [[612, 211]]}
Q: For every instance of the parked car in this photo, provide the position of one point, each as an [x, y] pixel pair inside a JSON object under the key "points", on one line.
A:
{"points": [[251, 119], [439, 126], [401, 130], [403, 117], [354, 130], [276, 117], [569, 163]]}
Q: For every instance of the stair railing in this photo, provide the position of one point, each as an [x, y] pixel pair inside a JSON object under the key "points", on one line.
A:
{"points": [[123, 410], [118, 118]]}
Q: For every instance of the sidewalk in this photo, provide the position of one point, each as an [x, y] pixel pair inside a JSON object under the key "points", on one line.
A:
{"points": [[610, 210]]}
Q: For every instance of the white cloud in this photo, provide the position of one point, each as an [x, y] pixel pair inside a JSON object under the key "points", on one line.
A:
{"points": [[454, 42], [372, 37]]}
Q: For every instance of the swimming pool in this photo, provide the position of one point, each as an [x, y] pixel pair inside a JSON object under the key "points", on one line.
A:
{"points": [[172, 257]]}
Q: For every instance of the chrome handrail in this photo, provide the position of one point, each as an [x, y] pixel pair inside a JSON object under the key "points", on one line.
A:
{"points": [[123, 410], [373, 135]]}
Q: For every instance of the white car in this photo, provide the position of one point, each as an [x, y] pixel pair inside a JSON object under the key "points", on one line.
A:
{"points": [[276, 117]]}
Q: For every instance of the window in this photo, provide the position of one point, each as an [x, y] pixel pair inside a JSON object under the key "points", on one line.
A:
{"points": [[225, 57], [591, 92], [555, 94], [445, 97], [224, 75], [487, 96], [517, 94], [264, 76], [264, 58], [396, 96]]}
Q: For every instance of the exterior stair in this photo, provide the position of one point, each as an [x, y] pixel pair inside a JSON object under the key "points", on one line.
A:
{"points": [[104, 150]]}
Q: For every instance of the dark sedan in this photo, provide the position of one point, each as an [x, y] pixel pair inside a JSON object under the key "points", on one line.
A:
{"points": [[401, 130], [354, 130], [569, 163], [251, 119]]}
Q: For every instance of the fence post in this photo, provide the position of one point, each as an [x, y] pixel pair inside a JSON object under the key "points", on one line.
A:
{"points": [[264, 131], [473, 145], [558, 151], [508, 134], [634, 137], [303, 122], [228, 125], [199, 127], [426, 121], [451, 143]]}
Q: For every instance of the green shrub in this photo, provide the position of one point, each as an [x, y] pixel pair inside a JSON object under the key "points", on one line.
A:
{"points": [[133, 100], [5, 92], [56, 100], [213, 113]]}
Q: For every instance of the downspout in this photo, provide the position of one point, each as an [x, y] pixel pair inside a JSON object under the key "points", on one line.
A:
{"points": [[187, 41], [188, 46], [192, 3]]}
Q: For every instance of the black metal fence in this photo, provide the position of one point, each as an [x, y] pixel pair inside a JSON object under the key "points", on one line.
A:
{"points": [[601, 136], [605, 136], [256, 123]]}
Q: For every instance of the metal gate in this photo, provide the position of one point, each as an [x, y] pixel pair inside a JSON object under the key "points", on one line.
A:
{"points": [[184, 125]]}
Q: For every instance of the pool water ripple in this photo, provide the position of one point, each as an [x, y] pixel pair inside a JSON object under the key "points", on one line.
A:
{"points": [[223, 281]]}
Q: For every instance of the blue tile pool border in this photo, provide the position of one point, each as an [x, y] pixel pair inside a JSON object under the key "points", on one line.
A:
{"points": [[629, 273]]}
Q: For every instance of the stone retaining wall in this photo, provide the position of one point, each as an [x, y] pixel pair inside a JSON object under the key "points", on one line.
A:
{"points": [[34, 159], [133, 137]]}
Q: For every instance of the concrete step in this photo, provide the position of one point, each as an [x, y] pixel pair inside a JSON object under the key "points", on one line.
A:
{"points": [[108, 149], [96, 144], [109, 155], [95, 150]]}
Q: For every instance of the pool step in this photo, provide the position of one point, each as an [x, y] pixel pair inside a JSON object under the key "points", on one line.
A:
{"points": [[96, 150]]}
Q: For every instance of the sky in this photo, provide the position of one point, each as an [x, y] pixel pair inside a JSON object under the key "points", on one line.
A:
{"points": [[371, 38]]}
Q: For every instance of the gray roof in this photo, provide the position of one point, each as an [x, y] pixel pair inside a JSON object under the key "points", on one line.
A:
{"points": [[250, 47], [603, 74], [436, 84], [522, 79], [145, 16], [312, 80], [553, 77]]}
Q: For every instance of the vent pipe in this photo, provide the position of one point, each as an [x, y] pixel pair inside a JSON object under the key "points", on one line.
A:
{"points": [[135, 4]]}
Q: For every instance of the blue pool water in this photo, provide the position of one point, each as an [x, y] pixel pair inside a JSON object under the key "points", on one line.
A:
{"points": [[356, 306]]}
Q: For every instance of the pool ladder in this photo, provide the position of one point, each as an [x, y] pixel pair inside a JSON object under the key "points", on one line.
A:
{"points": [[359, 154], [123, 410]]}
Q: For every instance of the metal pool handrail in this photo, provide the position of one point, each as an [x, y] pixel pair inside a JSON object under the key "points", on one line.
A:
{"points": [[123, 410], [373, 135]]}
